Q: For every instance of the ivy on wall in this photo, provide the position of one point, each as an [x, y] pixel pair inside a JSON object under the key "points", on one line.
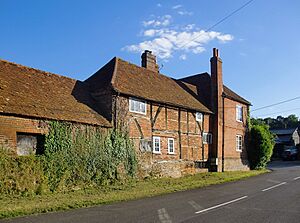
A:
{"points": [[75, 156]]}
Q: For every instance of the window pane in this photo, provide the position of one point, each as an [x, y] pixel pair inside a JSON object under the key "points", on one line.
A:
{"points": [[142, 106], [239, 113], [171, 145], [199, 116], [156, 144], [136, 106]]}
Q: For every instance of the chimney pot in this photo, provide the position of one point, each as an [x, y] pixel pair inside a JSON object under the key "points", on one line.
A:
{"points": [[215, 52]]}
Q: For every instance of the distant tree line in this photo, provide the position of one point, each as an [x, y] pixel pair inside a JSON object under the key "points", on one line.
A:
{"points": [[291, 121]]}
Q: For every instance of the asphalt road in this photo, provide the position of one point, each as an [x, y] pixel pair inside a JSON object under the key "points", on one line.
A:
{"points": [[272, 197]]}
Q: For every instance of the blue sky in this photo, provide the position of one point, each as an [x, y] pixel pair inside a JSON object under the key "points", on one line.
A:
{"points": [[259, 45]]}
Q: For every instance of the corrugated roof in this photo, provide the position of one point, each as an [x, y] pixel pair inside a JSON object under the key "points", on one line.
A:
{"points": [[34, 93]]}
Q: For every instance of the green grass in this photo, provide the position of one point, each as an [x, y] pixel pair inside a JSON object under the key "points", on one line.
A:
{"points": [[19, 206]]}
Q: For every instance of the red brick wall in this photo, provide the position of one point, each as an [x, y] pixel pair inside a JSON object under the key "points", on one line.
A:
{"points": [[167, 126], [10, 125], [234, 159]]}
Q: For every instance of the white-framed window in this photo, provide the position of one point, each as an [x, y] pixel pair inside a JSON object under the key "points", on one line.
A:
{"points": [[171, 146], [199, 117], [207, 138], [137, 106], [239, 143], [156, 144], [239, 113]]}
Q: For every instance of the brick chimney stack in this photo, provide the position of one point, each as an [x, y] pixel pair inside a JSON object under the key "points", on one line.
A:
{"points": [[149, 61], [217, 108], [216, 78]]}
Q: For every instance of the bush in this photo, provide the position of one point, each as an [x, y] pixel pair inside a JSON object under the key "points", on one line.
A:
{"points": [[261, 144], [82, 156], [20, 174], [75, 157]]}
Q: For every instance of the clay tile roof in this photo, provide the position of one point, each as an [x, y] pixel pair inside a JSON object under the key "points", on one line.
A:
{"points": [[30, 92], [232, 95], [203, 83], [140, 82]]}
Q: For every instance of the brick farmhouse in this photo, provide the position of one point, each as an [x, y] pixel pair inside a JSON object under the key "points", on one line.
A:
{"points": [[193, 123]]}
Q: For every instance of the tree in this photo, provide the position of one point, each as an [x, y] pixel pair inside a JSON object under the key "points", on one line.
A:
{"points": [[280, 122], [292, 121], [261, 142]]}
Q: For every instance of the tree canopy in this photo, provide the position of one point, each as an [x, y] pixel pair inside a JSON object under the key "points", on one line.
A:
{"points": [[291, 121]]}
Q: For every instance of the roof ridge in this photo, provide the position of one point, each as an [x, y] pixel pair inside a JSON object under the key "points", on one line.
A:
{"points": [[193, 75], [148, 70], [113, 78], [37, 70]]}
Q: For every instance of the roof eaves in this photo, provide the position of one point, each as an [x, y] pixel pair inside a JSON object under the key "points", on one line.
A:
{"points": [[235, 99], [39, 117]]}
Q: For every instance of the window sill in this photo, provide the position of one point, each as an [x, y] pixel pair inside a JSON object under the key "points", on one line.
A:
{"points": [[239, 151], [141, 113], [171, 153], [158, 153], [239, 121]]}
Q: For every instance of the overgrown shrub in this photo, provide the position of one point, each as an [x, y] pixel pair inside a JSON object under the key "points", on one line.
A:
{"points": [[261, 142], [20, 174], [75, 157], [84, 156]]}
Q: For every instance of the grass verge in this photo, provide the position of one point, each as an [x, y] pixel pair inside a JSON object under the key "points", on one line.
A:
{"points": [[19, 206]]}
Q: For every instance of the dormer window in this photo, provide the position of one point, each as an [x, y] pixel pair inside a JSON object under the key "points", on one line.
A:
{"points": [[199, 117], [137, 106], [239, 113]]}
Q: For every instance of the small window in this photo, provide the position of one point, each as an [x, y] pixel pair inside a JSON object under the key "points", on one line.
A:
{"points": [[239, 143], [171, 147], [207, 138], [145, 145], [239, 113], [199, 117], [137, 106], [28, 144], [156, 144]]}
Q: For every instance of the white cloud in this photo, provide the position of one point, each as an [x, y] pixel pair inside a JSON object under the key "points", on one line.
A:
{"points": [[184, 12], [181, 11], [159, 21], [183, 57], [164, 40], [189, 27], [225, 38], [149, 32], [177, 6], [159, 5]]}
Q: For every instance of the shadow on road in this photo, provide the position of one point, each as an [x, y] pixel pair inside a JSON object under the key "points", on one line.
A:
{"points": [[282, 164]]}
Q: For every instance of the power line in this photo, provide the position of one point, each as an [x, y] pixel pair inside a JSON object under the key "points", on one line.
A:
{"points": [[219, 22], [280, 112], [278, 103]]}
